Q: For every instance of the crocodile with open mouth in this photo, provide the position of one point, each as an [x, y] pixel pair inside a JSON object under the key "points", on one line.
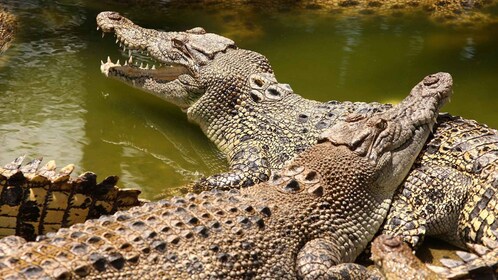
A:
{"points": [[310, 221], [260, 124]]}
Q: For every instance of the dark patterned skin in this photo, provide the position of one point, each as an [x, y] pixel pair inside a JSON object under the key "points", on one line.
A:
{"points": [[309, 221], [37, 199], [458, 207]]}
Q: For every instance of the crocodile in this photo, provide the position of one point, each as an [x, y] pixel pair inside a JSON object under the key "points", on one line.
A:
{"points": [[37, 199], [260, 124], [310, 221]]}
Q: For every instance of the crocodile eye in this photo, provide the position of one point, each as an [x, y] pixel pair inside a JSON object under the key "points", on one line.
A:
{"points": [[174, 56], [381, 124], [177, 43]]}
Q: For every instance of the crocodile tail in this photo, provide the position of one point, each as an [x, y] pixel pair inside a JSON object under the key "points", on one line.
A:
{"points": [[480, 263], [37, 199]]}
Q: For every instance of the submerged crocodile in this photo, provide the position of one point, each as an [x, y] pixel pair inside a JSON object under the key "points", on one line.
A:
{"points": [[36, 200], [311, 220], [260, 124]]}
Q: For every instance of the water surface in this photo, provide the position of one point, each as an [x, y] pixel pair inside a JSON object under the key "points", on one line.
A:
{"points": [[55, 103]]}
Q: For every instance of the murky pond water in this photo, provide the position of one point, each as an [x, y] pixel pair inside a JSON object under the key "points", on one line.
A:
{"points": [[55, 103]]}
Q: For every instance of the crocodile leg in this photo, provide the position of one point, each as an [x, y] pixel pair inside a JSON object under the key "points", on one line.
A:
{"points": [[412, 222], [248, 166], [318, 260]]}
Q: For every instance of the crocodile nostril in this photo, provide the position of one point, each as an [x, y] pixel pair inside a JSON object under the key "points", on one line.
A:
{"points": [[430, 80], [114, 16]]}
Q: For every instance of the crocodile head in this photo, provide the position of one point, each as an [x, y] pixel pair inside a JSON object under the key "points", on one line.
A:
{"points": [[179, 57], [390, 140]]}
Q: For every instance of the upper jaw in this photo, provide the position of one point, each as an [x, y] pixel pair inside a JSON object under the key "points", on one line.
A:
{"points": [[192, 48]]}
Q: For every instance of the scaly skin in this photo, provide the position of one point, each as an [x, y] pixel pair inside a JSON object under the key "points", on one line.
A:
{"points": [[259, 124], [35, 200], [396, 261], [309, 221], [458, 207]]}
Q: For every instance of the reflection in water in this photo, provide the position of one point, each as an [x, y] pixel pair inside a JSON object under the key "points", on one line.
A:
{"points": [[41, 91], [468, 50], [351, 30], [415, 45]]}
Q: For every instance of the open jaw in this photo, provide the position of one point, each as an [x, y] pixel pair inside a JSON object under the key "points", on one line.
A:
{"points": [[136, 46], [191, 49], [137, 74]]}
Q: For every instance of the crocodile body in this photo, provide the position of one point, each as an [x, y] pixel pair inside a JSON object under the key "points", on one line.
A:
{"points": [[36, 200], [309, 221], [260, 124]]}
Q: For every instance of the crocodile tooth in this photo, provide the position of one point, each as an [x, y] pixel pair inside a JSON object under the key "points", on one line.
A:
{"points": [[109, 59], [129, 53], [103, 34], [101, 62], [147, 66], [126, 63], [116, 41], [153, 67], [124, 48], [141, 65], [118, 63], [98, 28], [130, 60]]}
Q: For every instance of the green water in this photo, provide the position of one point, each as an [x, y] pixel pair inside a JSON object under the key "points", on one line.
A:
{"points": [[55, 103]]}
